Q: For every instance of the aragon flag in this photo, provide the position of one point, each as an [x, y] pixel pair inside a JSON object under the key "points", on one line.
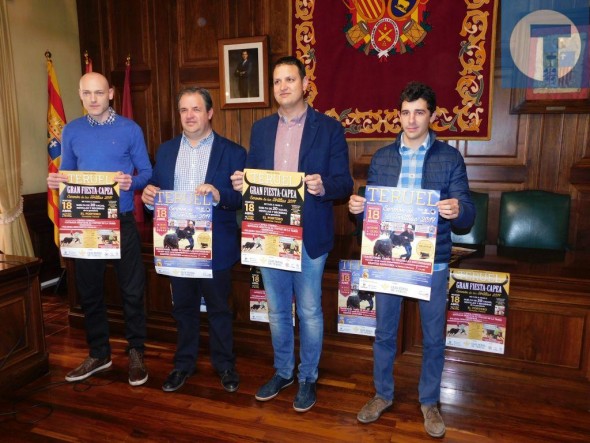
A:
{"points": [[56, 120]]}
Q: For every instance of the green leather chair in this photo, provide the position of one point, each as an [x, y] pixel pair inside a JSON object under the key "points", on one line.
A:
{"points": [[477, 234], [534, 219]]}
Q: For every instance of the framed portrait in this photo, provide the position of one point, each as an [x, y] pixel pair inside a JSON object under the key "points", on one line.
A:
{"points": [[243, 72]]}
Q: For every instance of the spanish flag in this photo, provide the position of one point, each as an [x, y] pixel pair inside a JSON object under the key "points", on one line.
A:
{"points": [[56, 120]]}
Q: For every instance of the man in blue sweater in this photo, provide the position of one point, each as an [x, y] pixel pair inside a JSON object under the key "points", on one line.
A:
{"points": [[417, 160], [105, 141]]}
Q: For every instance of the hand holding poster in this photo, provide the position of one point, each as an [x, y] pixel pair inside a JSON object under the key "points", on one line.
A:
{"points": [[183, 236], [89, 224], [272, 232], [399, 240], [476, 318]]}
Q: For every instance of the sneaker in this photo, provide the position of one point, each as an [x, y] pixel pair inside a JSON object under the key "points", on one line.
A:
{"points": [[88, 367], [433, 422], [306, 397], [373, 410], [269, 390], [138, 374]]}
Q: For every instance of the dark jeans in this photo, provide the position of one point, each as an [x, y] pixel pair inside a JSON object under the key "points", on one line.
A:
{"points": [[186, 299], [131, 278]]}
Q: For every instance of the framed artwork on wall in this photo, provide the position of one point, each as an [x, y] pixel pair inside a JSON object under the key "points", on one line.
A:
{"points": [[556, 101], [556, 72], [243, 72]]}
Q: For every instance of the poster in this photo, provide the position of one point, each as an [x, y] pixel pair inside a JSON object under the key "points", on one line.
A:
{"points": [[356, 308], [478, 302], [258, 302], [272, 232], [89, 224], [399, 240], [183, 236]]}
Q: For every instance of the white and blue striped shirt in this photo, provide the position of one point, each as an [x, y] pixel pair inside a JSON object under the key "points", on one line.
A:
{"points": [[191, 163]]}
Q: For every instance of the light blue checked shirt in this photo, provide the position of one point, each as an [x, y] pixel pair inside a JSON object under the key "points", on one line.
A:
{"points": [[411, 173], [191, 163]]}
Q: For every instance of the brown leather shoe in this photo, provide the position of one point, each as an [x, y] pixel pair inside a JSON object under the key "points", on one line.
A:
{"points": [[433, 422], [138, 374], [88, 367], [373, 410]]}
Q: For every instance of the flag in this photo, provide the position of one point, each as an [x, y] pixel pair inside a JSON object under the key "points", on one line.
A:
{"points": [[56, 120], [87, 62], [127, 111], [87, 69]]}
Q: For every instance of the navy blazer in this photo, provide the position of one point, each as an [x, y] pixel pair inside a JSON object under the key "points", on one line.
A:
{"points": [[323, 151], [226, 158]]}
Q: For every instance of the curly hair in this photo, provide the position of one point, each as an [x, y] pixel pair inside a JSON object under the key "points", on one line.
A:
{"points": [[416, 90]]}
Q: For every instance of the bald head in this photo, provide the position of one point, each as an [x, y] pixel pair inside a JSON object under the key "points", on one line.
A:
{"points": [[95, 95]]}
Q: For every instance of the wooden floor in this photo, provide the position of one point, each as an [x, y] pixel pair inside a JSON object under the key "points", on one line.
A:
{"points": [[477, 405]]}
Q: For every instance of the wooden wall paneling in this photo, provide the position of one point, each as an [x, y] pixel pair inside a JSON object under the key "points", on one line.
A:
{"points": [[580, 181], [251, 17], [133, 34], [93, 33], [279, 28], [200, 25], [164, 82], [551, 151], [130, 31]]}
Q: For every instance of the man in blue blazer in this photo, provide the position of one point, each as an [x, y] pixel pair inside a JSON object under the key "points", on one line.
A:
{"points": [[299, 139], [201, 160]]}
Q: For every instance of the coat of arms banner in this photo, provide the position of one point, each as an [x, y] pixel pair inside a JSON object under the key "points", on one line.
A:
{"points": [[359, 55]]}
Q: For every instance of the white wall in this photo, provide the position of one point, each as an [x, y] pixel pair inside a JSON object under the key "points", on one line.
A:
{"points": [[35, 27]]}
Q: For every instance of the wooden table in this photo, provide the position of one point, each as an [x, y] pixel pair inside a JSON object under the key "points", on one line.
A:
{"points": [[23, 354]]}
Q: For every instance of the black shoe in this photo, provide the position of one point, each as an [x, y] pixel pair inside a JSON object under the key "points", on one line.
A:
{"points": [[175, 380], [230, 380]]}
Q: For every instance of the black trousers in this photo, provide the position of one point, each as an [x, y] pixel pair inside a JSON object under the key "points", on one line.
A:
{"points": [[131, 278], [186, 300]]}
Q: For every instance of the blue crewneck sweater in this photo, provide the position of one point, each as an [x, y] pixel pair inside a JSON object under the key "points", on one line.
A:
{"points": [[119, 146]]}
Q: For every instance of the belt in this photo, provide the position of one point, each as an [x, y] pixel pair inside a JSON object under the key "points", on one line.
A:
{"points": [[126, 214]]}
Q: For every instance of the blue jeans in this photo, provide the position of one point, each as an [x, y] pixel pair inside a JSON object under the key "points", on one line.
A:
{"points": [[433, 319], [306, 285]]}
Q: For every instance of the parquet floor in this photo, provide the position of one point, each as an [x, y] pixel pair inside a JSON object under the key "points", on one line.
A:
{"points": [[477, 406]]}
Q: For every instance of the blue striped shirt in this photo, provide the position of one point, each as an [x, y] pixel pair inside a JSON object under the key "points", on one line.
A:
{"points": [[411, 174], [191, 163]]}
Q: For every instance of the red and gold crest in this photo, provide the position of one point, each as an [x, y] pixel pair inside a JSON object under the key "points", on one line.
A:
{"points": [[384, 27]]}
